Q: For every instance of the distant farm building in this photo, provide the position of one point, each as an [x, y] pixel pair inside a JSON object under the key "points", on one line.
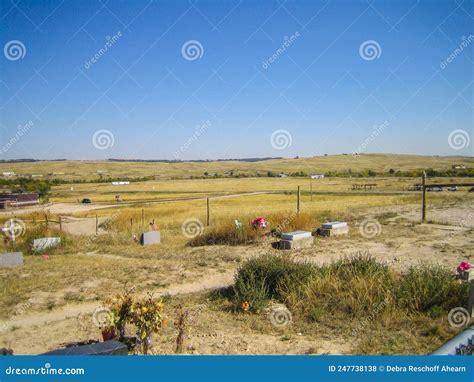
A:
{"points": [[8, 174], [318, 176], [119, 183], [282, 175], [18, 200]]}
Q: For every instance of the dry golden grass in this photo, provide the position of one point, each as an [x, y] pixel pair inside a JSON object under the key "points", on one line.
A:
{"points": [[316, 165]]}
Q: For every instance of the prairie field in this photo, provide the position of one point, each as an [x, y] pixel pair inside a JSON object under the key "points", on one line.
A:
{"points": [[200, 265], [89, 170]]}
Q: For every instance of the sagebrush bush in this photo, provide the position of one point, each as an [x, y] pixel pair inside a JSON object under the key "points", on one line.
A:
{"points": [[350, 287], [361, 264], [426, 287], [353, 287], [269, 277]]}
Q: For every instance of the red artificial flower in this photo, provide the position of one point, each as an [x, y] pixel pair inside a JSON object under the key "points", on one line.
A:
{"points": [[464, 266]]}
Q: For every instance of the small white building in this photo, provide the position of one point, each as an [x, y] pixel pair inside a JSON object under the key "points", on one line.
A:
{"points": [[120, 183], [318, 176], [9, 174]]}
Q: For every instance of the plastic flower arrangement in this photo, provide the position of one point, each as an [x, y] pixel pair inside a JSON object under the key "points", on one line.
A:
{"points": [[259, 222], [464, 266], [121, 307], [148, 319]]}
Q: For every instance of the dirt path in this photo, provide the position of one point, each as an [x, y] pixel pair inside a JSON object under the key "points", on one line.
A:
{"points": [[81, 226], [213, 280], [57, 208], [72, 208]]}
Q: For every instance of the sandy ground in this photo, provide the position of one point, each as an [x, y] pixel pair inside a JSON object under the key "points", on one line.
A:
{"points": [[398, 240], [72, 208], [56, 208]]}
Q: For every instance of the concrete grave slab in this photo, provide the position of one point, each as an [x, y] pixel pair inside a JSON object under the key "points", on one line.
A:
{"points": [[46, 243], [306, 242], [150, 238], [468, 275], [334, 231], [332, 225], [11, 259], [296, 235], [112, 347]]}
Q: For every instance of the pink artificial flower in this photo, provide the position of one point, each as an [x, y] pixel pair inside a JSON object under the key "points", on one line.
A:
{"points": [[464, 266], [259, 222]]}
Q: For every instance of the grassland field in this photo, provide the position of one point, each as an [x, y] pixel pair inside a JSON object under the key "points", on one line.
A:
{"points": [[382, 163], [62, 291]]}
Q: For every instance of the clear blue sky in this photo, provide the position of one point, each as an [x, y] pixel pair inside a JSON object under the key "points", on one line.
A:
{"points": [[322, 90]]}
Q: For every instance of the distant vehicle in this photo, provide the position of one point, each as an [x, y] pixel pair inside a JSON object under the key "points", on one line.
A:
{"points": [[434, 189], [453, 188], [86, 201]]}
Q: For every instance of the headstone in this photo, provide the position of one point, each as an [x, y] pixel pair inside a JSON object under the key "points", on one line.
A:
{"points": [[332, 229], [305, 242], [45, 243], [470, 302], [468, 274], [12, 259], [332, 225], [296, 235], [112, 347], [150, 238]]}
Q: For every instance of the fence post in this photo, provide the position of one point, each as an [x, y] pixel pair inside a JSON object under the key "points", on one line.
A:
{"points": [[60, 224], [131, 223], [208, 213], [46, 220], [298, 202], [423, 200], [96, 224]]}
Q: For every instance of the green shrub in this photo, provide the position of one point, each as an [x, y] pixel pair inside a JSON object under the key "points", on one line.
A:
{"points": [[425, 287], [269, 277], [361, 264]]}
